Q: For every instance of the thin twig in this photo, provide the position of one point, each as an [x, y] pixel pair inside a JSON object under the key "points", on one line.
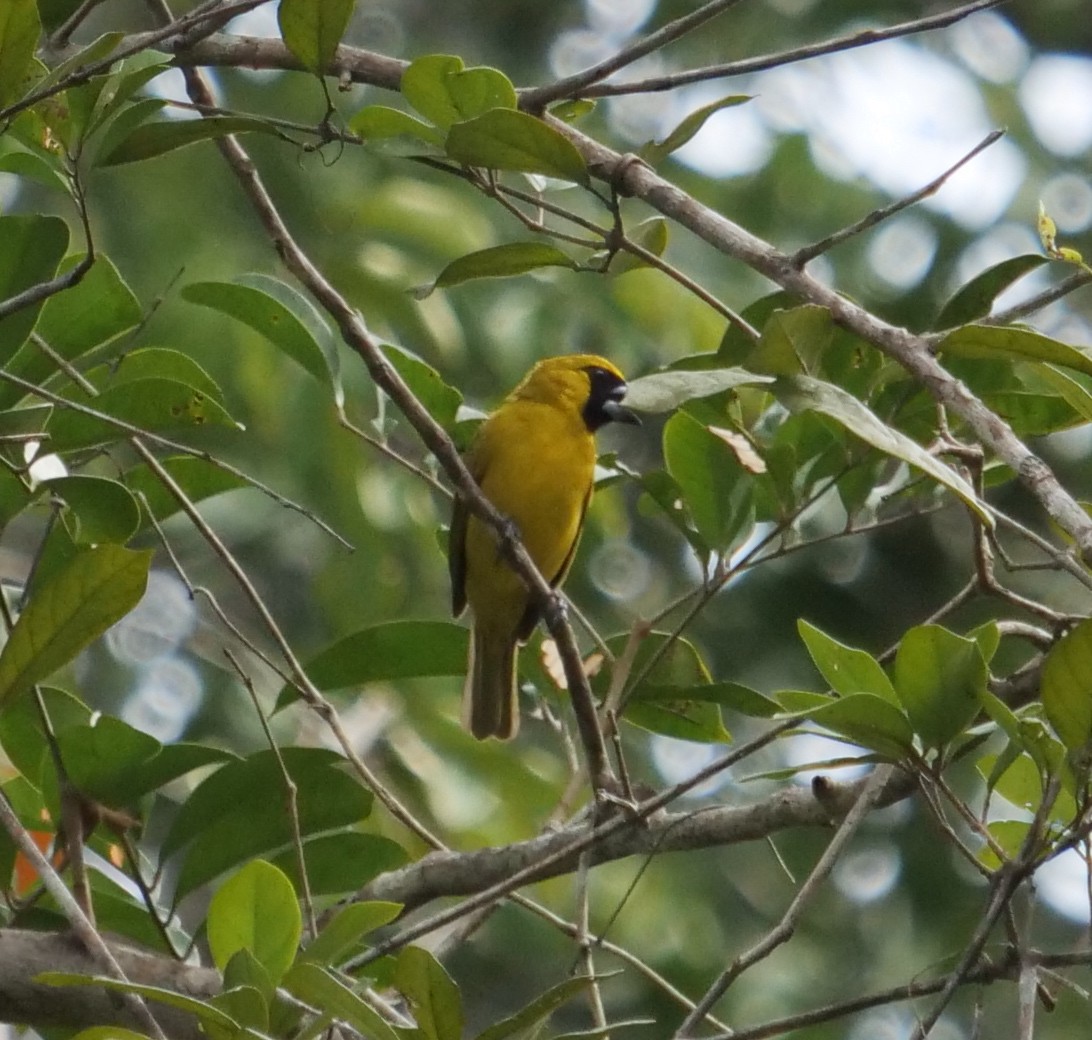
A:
{"points": [[865, 38], [291, 790], [536, 99], [877, 216], [155, 438], [785, 928], [1019, 311]]}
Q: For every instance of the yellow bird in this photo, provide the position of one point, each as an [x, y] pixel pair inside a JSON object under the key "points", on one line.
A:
{"points": [[534, 459]]}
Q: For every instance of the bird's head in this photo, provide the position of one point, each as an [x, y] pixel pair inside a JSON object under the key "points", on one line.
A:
{"points": [[587, 383]]}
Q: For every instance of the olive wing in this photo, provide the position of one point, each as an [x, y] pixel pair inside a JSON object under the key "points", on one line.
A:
{"points": [[532, 614]]}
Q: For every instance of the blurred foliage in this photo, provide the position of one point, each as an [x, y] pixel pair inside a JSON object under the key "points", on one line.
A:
{"points": [[796, 506]]}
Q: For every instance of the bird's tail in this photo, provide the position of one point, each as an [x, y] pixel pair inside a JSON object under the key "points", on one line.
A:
{"points": [[490, 708]]}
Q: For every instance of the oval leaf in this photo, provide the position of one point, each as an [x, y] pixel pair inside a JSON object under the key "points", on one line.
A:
{"points": [[151, 139], [802, 393], [256, 910], [321, 989], [95, 590], [1066, 689], [31, 247], [998, 342], [380, 123], [847, 669], [96, 509], [656, 151], [975, 299], [148, 404], [395, 650], [343, 932], [312, 29], [708, 474], [507, 139], [19, 30], [869, 721], [279, 313], [432, 994], [666, 391], [940, 678], [499, 262]]}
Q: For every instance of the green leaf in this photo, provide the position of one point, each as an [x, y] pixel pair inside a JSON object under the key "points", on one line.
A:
{"points": [[322, 989], [94, 312], [940, 678], [1066, 687], [215, 1021], [572, 110], [279, 313], [256, 910], [97, 589], [382, 123], [117, 765], [975, 299], [506, 261], [441, 400], [22, 735], [656, 151], [527, 1021], [390, 651], [156, 363], [433, 996], [158, 405], [127, 77], [198, 478], [312, 29], [666, 391], [239, 812], [153, 139], [676, 697], [651, 235], [247, 1004], [708, 474], [792, 341], [15, 496], [480, 89], [1010, 835], [425, 86], [802, 393], [342, 863], [679, 712], [867, 720], [507, 139], [95, 51], [342, 934], [19, 30], [96, 509], [847, 669], [445, 92], [31, 247], [1006, 343], [736, 345], [21, 161]]}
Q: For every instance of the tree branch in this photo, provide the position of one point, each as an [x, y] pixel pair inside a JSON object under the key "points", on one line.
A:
{"points": [[24, 955], [441, 874]]}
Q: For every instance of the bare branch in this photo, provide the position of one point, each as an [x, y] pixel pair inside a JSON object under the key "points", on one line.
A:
{"points": [[865, 38], [869, 794], [803, 255], [536, 99]]}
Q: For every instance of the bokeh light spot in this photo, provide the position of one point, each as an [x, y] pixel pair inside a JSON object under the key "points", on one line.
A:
{"points": [[1054, 94]]}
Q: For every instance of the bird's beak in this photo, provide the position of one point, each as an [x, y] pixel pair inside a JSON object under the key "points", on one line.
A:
{"points": [[614, 410]]}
